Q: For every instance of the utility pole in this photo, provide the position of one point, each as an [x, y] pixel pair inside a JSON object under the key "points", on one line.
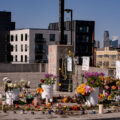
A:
{"points": [[61, 21]]}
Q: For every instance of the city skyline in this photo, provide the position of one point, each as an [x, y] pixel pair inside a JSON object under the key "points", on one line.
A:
{"points": [[39, 13]]}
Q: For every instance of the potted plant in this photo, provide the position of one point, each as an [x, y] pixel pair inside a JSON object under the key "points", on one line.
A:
{"points": [[83, 92], [47, 85], [94, 79]]}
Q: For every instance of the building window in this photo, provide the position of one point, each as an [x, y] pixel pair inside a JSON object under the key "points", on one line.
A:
{"points": [[12, 38], [25, 58], [99, 56], [26, 37], [113, 56], [15, 58], [16, 38], [87, 29], [52, 37], [113, 63], [21, 48], [99, 63], [106, 63], [38, 37], [21, 37], [81, 29], [106, 55], [21, 58], [65, 39], [16, 48], [25, 47]]}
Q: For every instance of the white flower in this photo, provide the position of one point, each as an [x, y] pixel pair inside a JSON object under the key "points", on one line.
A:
{"points": [[28, 83], [15, 85], [10, 85]]}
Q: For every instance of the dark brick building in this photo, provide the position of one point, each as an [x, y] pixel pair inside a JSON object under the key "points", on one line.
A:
{"points": [[5, 26], [82, 37]]}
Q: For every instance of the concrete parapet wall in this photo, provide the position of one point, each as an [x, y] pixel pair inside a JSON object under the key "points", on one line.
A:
{"points": [[38, 67], [33, 77]]}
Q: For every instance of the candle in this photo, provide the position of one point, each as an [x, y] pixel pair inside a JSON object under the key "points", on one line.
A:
{"points": [[35, 101], [46, 100], [100, 109], [3, 104]]}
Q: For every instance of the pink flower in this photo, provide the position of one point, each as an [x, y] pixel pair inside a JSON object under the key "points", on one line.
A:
{"points": [[107, 87], [106, 93]]}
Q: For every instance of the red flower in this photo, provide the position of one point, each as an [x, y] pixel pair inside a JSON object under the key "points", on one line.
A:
{"points": [[44, 104], [59, 104], [42, 80], [80, 105]]}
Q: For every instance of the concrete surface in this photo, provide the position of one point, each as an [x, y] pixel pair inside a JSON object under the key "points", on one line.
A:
{"points": [[39, 116]]}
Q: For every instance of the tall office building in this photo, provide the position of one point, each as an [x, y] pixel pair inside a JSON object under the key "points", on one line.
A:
{"points": [[106, 35], [97, 44], [5, 26], [107, 42], [115, 41]]}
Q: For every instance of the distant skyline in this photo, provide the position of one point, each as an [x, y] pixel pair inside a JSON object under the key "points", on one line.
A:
{"points": [[39, 13]]}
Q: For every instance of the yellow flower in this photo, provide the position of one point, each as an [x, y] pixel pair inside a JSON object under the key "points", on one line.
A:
{"points": [[60, 84], [65, 99], [109, 97], [101, 95], [59, 69], [118, 83], [39, 90]]}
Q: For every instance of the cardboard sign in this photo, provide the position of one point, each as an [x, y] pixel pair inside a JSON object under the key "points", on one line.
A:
{"points": [[69, 64], [85, 63], [118, 69]]}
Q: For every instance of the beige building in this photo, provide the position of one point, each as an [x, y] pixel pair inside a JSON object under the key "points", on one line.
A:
{"points": [[107, 57]]}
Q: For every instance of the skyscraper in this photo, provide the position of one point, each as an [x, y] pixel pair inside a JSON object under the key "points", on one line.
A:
{"points": [[106, 35], [107, 42], [115, 41]]}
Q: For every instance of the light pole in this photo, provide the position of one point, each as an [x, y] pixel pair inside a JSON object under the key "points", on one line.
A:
{"points": [[70, 11]]}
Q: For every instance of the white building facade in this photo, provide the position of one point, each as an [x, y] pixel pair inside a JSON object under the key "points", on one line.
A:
{"points": [[31, 45]]}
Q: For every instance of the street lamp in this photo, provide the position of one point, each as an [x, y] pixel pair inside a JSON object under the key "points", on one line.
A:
{"points": [[70, 11]]}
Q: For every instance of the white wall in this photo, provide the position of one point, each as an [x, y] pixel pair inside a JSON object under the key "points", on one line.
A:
{"points": [[19, 43]]}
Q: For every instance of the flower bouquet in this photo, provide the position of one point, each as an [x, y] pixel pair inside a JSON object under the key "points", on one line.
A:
{"points": [[12, 89], [94, 79], [47, 85], [83, 92]]}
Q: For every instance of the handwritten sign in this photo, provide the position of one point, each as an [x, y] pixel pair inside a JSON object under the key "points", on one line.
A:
{"points": [[85, 63], [69, 64], [118, 69], [52, 60]]}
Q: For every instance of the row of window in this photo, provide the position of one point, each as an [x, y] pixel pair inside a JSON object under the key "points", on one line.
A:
{"points": [[38, 37], [22, 58], [22, 47], [22, 37], [112, 56], [83, 29], [105, 63]]}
